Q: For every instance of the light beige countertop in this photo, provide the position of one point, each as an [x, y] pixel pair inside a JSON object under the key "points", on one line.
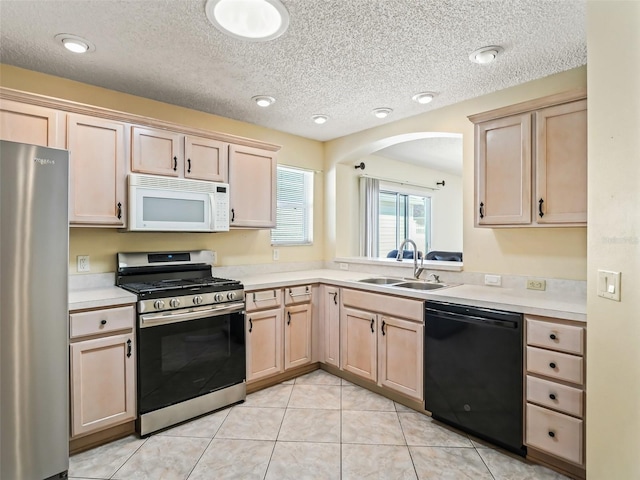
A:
{"points": [[514, 300], [99, 297]]}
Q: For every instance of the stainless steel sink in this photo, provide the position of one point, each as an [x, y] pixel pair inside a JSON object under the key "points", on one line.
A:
{"points": [[420, 285], [381, 280]]}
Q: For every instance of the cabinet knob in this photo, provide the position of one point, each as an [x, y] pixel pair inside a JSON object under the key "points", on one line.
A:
{"points": [[552, 365], [103, 322], [552, 396], [553, 336], [552, 433]]}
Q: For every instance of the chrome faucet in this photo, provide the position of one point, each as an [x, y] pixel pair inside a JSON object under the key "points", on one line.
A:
{"points": [[416, 270]]}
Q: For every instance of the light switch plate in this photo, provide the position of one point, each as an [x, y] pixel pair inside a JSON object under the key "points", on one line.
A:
{"points": [[609, 285]]}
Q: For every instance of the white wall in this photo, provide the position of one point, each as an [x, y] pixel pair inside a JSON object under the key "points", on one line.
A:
{"points": [[613, 332]]}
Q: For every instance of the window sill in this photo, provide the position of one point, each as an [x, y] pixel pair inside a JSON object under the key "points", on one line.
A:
{"points": [[406, 263]]}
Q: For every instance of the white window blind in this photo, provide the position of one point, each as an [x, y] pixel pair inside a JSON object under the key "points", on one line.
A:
{"points": [[294, 215]]}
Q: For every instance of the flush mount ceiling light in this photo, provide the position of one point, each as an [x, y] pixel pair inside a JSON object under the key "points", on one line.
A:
{"points": [[74, 43], [382, 112], [263, 100], [320, 119], [256, 20], [423, 98], [486, 55]]}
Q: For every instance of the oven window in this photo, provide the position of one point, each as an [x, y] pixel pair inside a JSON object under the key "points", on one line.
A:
{"points": [[184, 360], [157, 209]]}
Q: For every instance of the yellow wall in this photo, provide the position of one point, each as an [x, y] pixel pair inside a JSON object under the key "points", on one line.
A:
{"points": [[551, 252], [233, 248], [613, 340]]}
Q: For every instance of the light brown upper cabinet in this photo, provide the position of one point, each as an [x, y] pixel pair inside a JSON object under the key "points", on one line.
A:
{"points": [[97, 171], [162, 152], [33, 124], [252, 187], [531, 163]]}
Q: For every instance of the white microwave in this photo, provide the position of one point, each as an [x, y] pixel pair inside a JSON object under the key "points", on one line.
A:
{"points": [[165, 204]]}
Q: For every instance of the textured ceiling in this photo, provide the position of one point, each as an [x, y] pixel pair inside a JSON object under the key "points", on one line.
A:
{"points": [[339, 57]]}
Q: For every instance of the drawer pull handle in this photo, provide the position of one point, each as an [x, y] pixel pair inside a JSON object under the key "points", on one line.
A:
{"points": [[540, 212], [552, 434], [335, 297], [481, 210], [553, 336], [103, 322], [129, 348], [382, 328], [552, 396], [189, 165], [175, 163], [288, 318], [552, 365], [250, 324], [372, 322]]}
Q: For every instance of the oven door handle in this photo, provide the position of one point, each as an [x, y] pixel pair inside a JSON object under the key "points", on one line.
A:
{"points": [[156, 320]]}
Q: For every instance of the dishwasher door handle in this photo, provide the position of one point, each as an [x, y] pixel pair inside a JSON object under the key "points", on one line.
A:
{"points": [[470, 318]]}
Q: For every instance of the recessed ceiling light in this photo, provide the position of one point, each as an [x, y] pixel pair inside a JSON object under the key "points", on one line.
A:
{"points": [[74, 43], [256, 20], [423, 98], [320, 119], [263, 100], [486, 55], [382, 112]]}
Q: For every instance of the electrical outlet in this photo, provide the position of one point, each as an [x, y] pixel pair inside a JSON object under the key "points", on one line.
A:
{"points": [[533, 284], [214, 258], [83, 263], [493, 280], [344, 266], [276, 254]]}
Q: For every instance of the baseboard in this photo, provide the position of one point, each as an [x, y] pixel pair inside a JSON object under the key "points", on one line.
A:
{"points": [[77, 445]]}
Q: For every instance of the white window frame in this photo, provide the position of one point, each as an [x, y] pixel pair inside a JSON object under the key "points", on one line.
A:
{"points": [[305, 203]]}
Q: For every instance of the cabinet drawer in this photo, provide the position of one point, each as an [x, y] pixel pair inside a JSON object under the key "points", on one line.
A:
{"points": [[299, 294], [558, 434], [564, 338], [98, 322], [555, 365], [263, 299], [556, 396]]}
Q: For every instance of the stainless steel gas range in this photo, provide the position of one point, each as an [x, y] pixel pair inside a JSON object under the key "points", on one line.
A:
{"points": [[190, 334]]}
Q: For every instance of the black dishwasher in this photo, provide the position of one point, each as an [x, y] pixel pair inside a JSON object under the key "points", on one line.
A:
{"points": [[473, 371]]}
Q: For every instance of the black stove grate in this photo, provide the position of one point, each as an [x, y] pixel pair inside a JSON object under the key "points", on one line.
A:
{"points": [[178, 284]]}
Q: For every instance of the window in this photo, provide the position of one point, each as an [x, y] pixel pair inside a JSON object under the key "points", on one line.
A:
{"points": [[390, 213], [400, 216], [294, 215]]}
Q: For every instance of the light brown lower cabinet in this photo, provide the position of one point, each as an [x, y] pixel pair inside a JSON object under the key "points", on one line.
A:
{"points": [[102, 369], [264, 343], [377, 345], [297, 336], [330, 314], [555, 390]]}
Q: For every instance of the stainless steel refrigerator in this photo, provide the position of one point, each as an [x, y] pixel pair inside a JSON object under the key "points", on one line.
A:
{"points": [[34, 372]]}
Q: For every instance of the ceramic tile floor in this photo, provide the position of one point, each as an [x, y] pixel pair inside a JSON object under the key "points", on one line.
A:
{"points": [[315, 427]]}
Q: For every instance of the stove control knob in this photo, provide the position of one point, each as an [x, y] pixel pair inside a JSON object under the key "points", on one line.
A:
{"points": [[218, 297], [174, 302], [231, 295], [197, 300], [158, 304]]}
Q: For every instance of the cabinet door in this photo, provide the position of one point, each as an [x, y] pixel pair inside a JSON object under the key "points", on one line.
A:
{"points": [[358, 337], [503, 171], [205, 159], [156, 151], [264, 344], [102, 383], [401, 364], [297, 336], [331, 325], [97, 171], [561, 163], [252, 187], [24, 123]]}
